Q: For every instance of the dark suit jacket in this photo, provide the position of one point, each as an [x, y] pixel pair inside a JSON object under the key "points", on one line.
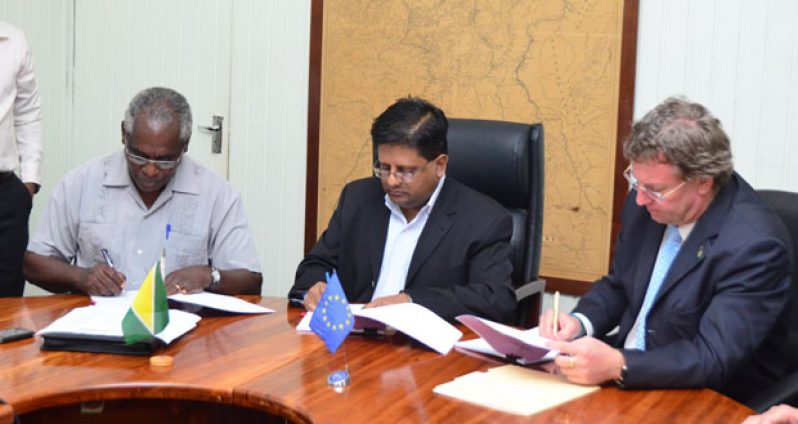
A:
{"points": [[461, 263], [720, 317]]}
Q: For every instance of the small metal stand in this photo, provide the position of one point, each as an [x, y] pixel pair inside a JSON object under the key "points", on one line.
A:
{"points": [[339, 380]]}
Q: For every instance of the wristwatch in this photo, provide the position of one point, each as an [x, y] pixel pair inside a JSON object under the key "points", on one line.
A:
{"points": [[216, 277], [620, 380]]}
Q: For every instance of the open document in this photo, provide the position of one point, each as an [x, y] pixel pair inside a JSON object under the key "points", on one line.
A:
{"points": [[521, 346], [205, 299], [221, 302], [98, 328], [414, 320]]}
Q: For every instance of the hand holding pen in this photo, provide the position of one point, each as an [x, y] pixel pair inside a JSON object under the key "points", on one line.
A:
{"points": [[110, 263], [557, 325], [102, 279]]}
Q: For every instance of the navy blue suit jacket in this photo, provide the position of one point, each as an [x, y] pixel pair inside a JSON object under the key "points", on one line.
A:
{"points": [[720, 317], [461, 263]]}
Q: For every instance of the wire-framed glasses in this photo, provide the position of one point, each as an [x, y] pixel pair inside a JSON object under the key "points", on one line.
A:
{"points": [[657, 196]]}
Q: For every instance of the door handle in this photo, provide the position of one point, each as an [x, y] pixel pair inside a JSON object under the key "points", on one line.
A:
{"points": [[216, 128]]}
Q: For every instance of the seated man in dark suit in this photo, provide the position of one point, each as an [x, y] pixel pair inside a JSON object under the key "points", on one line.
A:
{"points": [[412, 234], [699, 280]]}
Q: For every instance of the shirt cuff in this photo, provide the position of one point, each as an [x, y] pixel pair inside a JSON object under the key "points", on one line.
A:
{"points": [[586, 324], [30, 152]]}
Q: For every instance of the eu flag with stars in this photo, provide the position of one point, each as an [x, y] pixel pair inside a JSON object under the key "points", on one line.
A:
{"points": [[332, 320]]}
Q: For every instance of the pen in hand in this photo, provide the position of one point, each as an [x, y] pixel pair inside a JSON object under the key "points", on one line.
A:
{"points": [[110, 263], [554, 322], [107, 257]]}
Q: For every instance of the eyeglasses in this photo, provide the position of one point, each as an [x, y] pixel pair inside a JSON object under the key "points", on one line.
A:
{"points": [[658, 196], [404, 175], [165, 165]]}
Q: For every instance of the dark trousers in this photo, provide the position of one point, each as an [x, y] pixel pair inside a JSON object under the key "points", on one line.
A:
{"points": [[15, 205]]}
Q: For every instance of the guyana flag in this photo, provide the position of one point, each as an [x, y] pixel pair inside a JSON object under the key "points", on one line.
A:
{"points": [[149, 313]]}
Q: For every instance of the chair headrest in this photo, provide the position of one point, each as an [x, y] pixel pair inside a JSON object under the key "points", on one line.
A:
{"points": [[496, 158], [785, 204]]}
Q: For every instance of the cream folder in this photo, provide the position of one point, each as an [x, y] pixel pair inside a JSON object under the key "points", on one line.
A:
{"points": [[513, 389]]}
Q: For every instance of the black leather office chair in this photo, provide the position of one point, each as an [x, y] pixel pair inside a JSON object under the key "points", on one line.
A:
{"points": [[504, 160], [785, 204]]}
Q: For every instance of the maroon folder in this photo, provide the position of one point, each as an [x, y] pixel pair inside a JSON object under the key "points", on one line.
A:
{"points": [[509, 345]]}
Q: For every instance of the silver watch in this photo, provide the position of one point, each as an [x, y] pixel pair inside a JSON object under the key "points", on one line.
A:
{"points": [[216, 277]]}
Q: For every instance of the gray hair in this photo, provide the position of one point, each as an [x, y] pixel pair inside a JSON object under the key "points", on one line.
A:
{"points": [[162, 106], [686, 135]]}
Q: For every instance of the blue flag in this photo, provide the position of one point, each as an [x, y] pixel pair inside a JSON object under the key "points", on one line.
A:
{"points": [[332, 320]]}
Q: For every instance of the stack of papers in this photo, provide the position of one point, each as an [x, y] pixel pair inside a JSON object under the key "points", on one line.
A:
{"points": [[98, 328], [513, 389], [105, 321], [412, 319]]}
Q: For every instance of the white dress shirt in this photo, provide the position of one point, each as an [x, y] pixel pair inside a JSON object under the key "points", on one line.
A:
{"points": [[400, 245], [20, 107]]}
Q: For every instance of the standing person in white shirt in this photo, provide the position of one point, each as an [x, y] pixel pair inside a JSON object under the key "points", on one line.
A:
{"points": [[20, 149]]}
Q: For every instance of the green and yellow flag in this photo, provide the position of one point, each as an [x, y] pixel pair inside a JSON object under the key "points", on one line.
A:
{"points": [[149, 313]]}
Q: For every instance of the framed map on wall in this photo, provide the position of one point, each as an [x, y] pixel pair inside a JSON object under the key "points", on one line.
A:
{"points": [[555, 62]]}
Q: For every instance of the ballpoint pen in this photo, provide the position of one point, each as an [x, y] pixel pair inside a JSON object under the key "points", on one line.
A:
{"points": [[556, 313], [168, 231], [107, 257], [110, 263]]}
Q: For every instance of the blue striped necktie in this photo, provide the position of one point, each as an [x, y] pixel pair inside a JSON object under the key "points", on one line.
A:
{"points": [[667, 253]]}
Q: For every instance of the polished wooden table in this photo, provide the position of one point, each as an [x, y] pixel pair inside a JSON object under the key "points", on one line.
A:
{"points": [[246, 368]]}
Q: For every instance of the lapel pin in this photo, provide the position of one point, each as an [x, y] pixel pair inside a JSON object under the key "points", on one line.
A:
{"points": [[700, 253]]}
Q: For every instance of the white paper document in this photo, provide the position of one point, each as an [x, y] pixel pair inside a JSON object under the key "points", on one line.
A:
{"points": [[304, 323], [105, 320], [209, 300], [413, 320], [122, 301], [221, 302], [513, 389]]}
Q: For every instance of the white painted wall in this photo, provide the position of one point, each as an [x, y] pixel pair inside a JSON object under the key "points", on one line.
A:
{"points": [[123, 46], [264, 85], [740, 59], [268, 126]]}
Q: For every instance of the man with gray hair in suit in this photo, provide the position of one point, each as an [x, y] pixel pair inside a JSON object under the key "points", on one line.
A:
{"points": [[699, 279]]}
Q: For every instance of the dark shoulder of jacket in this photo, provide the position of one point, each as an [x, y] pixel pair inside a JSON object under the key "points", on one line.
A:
{"points": [[361, 191], [750, 215]]}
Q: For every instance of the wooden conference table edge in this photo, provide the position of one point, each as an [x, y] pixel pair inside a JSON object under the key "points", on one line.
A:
{"points": [[248, 390], [37, 312]]}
